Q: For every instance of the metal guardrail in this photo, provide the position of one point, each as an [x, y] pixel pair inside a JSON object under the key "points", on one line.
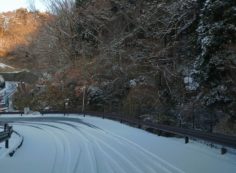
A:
{"points": [[6, 134], [225, 140], [214, 138], [12, 113], [221, 139]]}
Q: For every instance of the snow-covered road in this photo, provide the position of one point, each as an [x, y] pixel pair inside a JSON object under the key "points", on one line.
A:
{"points": [[77, 144]]}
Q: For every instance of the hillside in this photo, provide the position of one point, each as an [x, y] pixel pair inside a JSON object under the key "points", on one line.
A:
{"points": [[164, 60], [17, 30]]}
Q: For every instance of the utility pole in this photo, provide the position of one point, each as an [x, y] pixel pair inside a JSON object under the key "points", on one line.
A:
{"points": [[193, 115], [84, 88]]}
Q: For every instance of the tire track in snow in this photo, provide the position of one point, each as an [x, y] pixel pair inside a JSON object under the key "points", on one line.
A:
{"points": [[125, 142], [154, 161], [93, 159], [58, 143], [103, 147], [103, 152], [86, 155], [62, 160], [65, 143], [122, 156], [151, 155], [98, 150], [87, 149], [48, 133], [70, 140], [35, 126]]}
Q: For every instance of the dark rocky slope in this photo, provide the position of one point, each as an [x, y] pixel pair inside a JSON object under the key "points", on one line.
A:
{"points": [[163, 60]]}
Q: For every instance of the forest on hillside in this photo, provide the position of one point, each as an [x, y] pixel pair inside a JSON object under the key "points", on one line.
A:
{"points": [[168, 61]]}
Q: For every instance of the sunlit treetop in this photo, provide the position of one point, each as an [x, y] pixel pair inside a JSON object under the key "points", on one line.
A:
{"points": [[11, 5]]}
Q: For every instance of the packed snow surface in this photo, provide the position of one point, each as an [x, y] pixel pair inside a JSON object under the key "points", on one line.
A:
{"points": [[77, 144]]}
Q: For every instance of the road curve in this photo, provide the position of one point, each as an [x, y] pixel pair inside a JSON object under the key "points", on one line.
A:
{"points": [[73, 145]]}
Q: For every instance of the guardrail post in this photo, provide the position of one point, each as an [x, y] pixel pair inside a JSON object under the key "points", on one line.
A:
{"points": [[186, 139], [7, 143], [139, 125], [5, 127], [223, 150]]}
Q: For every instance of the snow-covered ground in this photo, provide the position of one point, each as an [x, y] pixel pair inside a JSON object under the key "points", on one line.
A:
{"points": [[14, 143], [77, 144]]}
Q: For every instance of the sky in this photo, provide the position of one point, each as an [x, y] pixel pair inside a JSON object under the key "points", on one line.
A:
{"points": [[10, 5]]}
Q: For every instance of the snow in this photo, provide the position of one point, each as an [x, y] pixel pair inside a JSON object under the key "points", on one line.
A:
{"points": [[190, 84], [132, 83], [5, 66], [71, 144]]}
